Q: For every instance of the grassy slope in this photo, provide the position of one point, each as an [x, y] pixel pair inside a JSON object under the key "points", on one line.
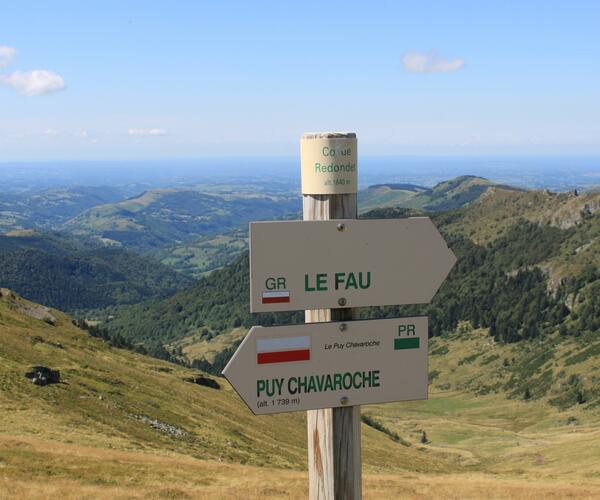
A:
{"points": [[473, 413], [202, 347], [388, 195], [81, 437], [105, 392], [498, 209]]}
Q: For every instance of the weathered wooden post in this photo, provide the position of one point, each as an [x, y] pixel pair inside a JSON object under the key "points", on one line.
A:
{"points": [[329, 165]]}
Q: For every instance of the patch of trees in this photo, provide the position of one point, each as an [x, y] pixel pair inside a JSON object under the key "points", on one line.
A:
{"points": [[495, 287], [86, 279], [112, 339]]}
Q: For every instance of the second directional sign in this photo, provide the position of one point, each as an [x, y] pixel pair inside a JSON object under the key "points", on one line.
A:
{"points": [[324, 365], [345, 263]]}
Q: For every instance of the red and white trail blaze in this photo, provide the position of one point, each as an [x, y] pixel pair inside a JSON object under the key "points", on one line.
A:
{"points": [[275, 297], [282, 350]]}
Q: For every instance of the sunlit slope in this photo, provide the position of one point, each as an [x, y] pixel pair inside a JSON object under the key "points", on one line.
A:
{"points": [[499, 209], [112, 398], [162, 217], [530, 408], [447, 195], [389, 195]]}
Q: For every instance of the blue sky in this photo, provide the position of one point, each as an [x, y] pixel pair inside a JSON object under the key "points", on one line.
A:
{"points": [[136, 80]]}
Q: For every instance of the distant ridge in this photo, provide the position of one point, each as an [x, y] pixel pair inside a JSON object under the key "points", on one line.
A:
{"points": [[446, 195], [160, 217], [405, 187]]}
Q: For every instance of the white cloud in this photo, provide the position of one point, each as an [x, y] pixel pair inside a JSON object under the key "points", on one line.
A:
{"points": [[51, 132], [146, 132], [430, 62], [83, 134], [7, 55], [36, 82], [29, 83]]}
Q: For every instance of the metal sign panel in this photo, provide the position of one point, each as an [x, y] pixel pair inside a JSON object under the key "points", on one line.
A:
{"points": [[345, 263], [325, 365]]}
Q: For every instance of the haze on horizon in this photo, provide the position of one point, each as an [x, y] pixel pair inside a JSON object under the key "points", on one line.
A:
{"points": [[81, 81]]}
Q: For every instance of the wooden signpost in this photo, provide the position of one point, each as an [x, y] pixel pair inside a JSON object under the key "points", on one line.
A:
{"points": [[329, 268]]}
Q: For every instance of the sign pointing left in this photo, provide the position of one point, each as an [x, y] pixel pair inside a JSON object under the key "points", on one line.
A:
{"points": [[324, 365]]}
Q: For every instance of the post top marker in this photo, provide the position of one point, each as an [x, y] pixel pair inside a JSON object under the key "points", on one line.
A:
{"points": [[329, 163]]}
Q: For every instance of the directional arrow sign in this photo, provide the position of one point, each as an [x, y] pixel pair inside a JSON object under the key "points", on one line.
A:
{"points": [[324, 365], [345, 263]]}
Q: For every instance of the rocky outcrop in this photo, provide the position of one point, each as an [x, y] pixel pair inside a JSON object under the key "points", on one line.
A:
{"points": [[27, 308], [574, 210], [205, 381], [42, 375], [161, 426]]}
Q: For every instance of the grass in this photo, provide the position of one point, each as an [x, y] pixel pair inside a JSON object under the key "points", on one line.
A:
{"points": [[204, 254], [493, 433], [200, 346], [43, 469], [89, 437]]}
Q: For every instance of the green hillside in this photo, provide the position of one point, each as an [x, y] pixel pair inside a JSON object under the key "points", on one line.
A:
{"points": [[389, 195], [163, 217], [110, 397], [61, 272], [205, 253], [51, 207], [447, 195]]}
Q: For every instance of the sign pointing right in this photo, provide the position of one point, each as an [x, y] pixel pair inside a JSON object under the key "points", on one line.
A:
{"points": [[345, 263]]}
